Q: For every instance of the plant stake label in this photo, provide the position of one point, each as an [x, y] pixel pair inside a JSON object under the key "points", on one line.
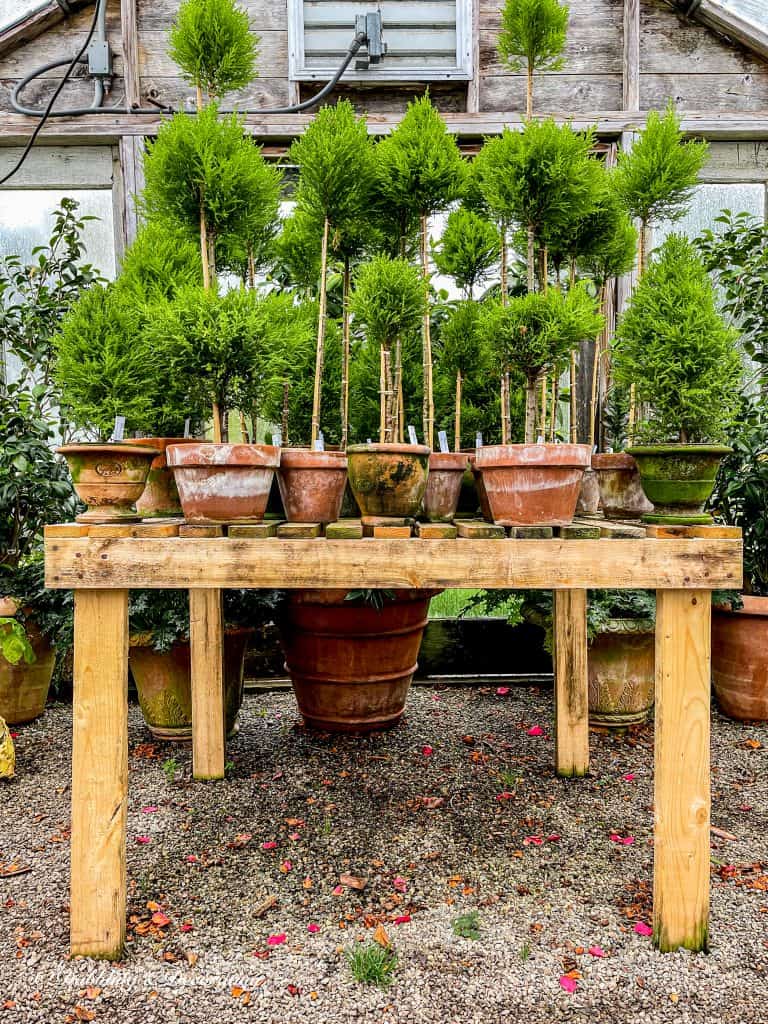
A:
{"points": [[320, 442], [119, 432], [442, 440], [186, 427], [277, 438], [478, 439], [540, 439], [412, 434]]}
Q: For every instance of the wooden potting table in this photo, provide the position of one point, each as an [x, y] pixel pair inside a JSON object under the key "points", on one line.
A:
{"points": [[102, 563]]}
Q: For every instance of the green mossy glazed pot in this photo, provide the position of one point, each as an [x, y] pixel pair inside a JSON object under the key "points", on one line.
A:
{"points": [[388, 479], [678, 479], [109, 478]]}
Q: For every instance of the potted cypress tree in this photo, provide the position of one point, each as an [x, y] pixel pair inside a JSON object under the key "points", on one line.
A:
{"points": [[532, 34], [673, 345]]}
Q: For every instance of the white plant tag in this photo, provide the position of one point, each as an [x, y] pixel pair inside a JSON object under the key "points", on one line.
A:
{"points": [[442, 440], [320, 442], [186, 427], [478, 440], [540, 439], [119, 432], [412, 434], [277, 438]]}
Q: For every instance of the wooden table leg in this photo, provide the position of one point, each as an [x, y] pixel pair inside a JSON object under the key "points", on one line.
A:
{"points": [[99, 774], [681, 785], [571, 685], [207, 661]]}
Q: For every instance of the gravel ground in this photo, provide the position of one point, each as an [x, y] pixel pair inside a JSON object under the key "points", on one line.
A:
{"points": [[435, 834]]}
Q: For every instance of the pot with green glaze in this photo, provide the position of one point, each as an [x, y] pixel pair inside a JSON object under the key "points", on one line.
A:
{"points": [[678, 479], [388, 479], [109, 479]]}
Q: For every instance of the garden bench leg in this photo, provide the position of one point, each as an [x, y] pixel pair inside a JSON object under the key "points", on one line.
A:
{"points": [[99, 774], [207, 664], [682, 795], [571, 686]]}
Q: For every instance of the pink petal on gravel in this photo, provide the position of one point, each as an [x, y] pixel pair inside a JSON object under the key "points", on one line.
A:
{"points": [[622, 840], [641, 928], [554, 838], [191, 859], [569, 984], [294, 835], [596, 951], [533, 841], [403, 919], [338, 891], [186, 927], [504, 796], [502, 691], [400, 884], [536, 730], [427, 751], [14, 735], [629, 777], [143, 840], [148, 810], [313, 928], [269, 846], [276, 940]]}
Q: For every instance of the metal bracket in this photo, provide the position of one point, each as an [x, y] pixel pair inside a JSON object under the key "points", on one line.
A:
{"points": [[370, 25]]}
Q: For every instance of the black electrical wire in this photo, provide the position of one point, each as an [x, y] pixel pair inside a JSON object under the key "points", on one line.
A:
{"points": [[57, 91]]}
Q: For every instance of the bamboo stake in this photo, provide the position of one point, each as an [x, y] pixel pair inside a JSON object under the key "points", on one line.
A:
{"points": [[399, 434], [543, 421], [320, 353], [251, 268], [504, 262], [503, 396], [382, 397], [574, 423], [529, 91], [553, 411], [286, 409], [632, 414], [345, 355], [457, 421], [641, 244], [428, 401], [598, 348], [530, 261]]}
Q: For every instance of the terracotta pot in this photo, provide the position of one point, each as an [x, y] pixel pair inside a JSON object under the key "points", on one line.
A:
{"points": [[621, 494], [441, 498], [108, 478], [164, 683], [621, 663], [740, 659], [351, 664], [312, 484], [24, 688], [161, 496], [388, 479], [223, 483], [589, 494], [482, 497], [678, 479], [532, 484]]}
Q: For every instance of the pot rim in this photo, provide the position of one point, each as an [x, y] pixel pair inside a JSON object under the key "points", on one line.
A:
{"points": [[753, 605], [222, 455], [496, 456], [678, 449], [388, 448], [457, 461], [120, 447], [144, 639], [627, 626], [309, 458], [613, 460]]}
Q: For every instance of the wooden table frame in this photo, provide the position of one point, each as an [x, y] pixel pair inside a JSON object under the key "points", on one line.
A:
{"points": [[101, 569]]}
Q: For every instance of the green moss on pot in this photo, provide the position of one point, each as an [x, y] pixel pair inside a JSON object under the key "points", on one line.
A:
{"points": [[678, 479]]}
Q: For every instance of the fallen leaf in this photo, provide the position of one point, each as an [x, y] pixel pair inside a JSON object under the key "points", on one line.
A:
{"points": [[82, 1014], [553, 838], [641, 928], [276, 940], [433, 802], [160, 919], [186, 927], [622, 840], [532, 841], [92, 992], [143, 840], [293, 990], [504, 796], [338, 890], [403, 919], [629, 777], [271, 845], [753, 744], [294, 835], [286, 866], [352, 882], [240, 840], [722, 833], [148, 810], [307, 883], [192, 958], [191, 859], [380, 936]]}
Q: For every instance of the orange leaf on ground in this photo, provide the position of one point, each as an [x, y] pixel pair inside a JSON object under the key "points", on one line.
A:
{"points": [[353, 881], [380, 936], [82, 1014]]}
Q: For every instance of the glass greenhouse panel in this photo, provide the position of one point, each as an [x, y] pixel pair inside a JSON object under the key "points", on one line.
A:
{"points": [[708, 203], [13, 11]]}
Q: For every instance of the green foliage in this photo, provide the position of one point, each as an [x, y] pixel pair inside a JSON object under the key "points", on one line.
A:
{"points": [[14, 646], [533, 34], [364, 405], [162, 259], [51, 611], [210, 164], [656, 178], [602, 607], [372, 964], [469, 247], [297, 253], [467, 926], [212, 42], [420, 169], [673, 345], [170, 768], [605, 240], [388, 299]]}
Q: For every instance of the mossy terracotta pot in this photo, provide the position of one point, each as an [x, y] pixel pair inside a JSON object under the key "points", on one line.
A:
{"points": [[678, 479], [532, 484], [312, 484], [740, 659], [160, 497], [621, 664], [446, 473], [164, 683], [388, 479], [223, 483], [618, 479], [24, 688], [109, 479]]}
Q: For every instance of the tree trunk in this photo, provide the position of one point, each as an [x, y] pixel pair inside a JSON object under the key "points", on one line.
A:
{"points": [[642, 241], [251, 268], [428, 401], [382, 398], [632, 414], [543, 430], [596, 370], [286, 410], [320, 353], [503, 408], [529, 92], [389, 395], [553, 410], [574, 414], [457, 420], [204, 246], [530, 261], [400, 416], [530, 411], [504, 262], [345, 357], [543, 269]]}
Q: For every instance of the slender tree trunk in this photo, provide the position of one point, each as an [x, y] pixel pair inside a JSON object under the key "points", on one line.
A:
{"points": [[544, 389], [596, 372], [345, 356], [543, 269], [553, 410], [382, 398], [244, 429], [457, 421], [504, 262], [389, 396], [572, 274], [428, 401], [530, 411], [286, 411], [529, 92], [574, 411], [251, 268], [531, 282], [204, 249], [320, 353], [400, 417], [632, 414], [503, 407], [642, 240]]}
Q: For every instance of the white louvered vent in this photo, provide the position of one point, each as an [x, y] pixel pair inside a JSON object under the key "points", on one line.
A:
{"points": [[427, 40]]}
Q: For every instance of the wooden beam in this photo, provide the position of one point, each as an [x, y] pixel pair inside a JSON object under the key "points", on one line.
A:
{"points": [[206, 631], [681, 785], [99, 774], [132, 170], [407, 562], [474, 85], [631, 57], [130, 42], [571, 683]]}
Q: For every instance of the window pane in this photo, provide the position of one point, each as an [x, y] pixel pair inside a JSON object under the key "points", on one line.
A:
{"points": [[12, 11], [708, 201]]}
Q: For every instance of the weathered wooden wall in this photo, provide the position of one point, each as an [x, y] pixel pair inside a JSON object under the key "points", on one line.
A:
{"points": [[679, 59]]}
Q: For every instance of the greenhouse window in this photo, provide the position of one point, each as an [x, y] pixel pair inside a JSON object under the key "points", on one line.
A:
{"points": [[14, 11]]}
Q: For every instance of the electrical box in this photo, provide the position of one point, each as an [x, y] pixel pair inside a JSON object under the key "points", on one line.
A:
{"points": [[99, 59]]}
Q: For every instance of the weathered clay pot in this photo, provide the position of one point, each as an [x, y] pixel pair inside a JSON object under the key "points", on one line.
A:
{"points": [[388, 479], [532, 484], [351, 664], [108, 478], [589, 494], [740, 659], [678, 479], [621, 663], [164, 683], [161, 496], [223, 483], [312, 484], [24, 688], [441, 498], [482, 497], [621, 494]]}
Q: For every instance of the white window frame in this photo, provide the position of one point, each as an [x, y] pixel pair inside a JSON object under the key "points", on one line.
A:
{"points": [[463, 71]]}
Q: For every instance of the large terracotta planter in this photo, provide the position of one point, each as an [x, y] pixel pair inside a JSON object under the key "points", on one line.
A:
{"points": [[532, 484], [351, 664], [108, 478], [164, 683], [24, 688], [441, 498], [388, 479], [160, 497], [678, 479], [621, 663], [740, 659], [312, 484], [618, 478], [223, 483]]}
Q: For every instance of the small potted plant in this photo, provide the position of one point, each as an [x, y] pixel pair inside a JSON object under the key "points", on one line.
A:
{"points": [[674, 347]]}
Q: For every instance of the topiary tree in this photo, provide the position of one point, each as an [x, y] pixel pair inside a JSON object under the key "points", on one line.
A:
{"points": [[673, 345], [532, 34], [161, 260], [336, 173], [468, 249], [465, 359], [421, 171], [656, 178], [212, 42], [388, 301], [297, 254]]}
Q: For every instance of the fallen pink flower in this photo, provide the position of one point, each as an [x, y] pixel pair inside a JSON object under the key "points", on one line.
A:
{"points": [[554, 838], [502, 691], [191, 859], [504, 796], [622, 840], [313, 928], [569, 984], [536, 730], [294, 835], [403, 919], [629, 777], [400, 884], [339, 890], [286, 866], [641, 928], [148, 810], [143, 840], [427, 751], [533, 841], [186, 927], [596, 951], [14, 735], [276, 940], [269, 846]]}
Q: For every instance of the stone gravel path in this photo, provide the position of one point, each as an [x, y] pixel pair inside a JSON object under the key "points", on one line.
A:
{"points": [[455, 810]]}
